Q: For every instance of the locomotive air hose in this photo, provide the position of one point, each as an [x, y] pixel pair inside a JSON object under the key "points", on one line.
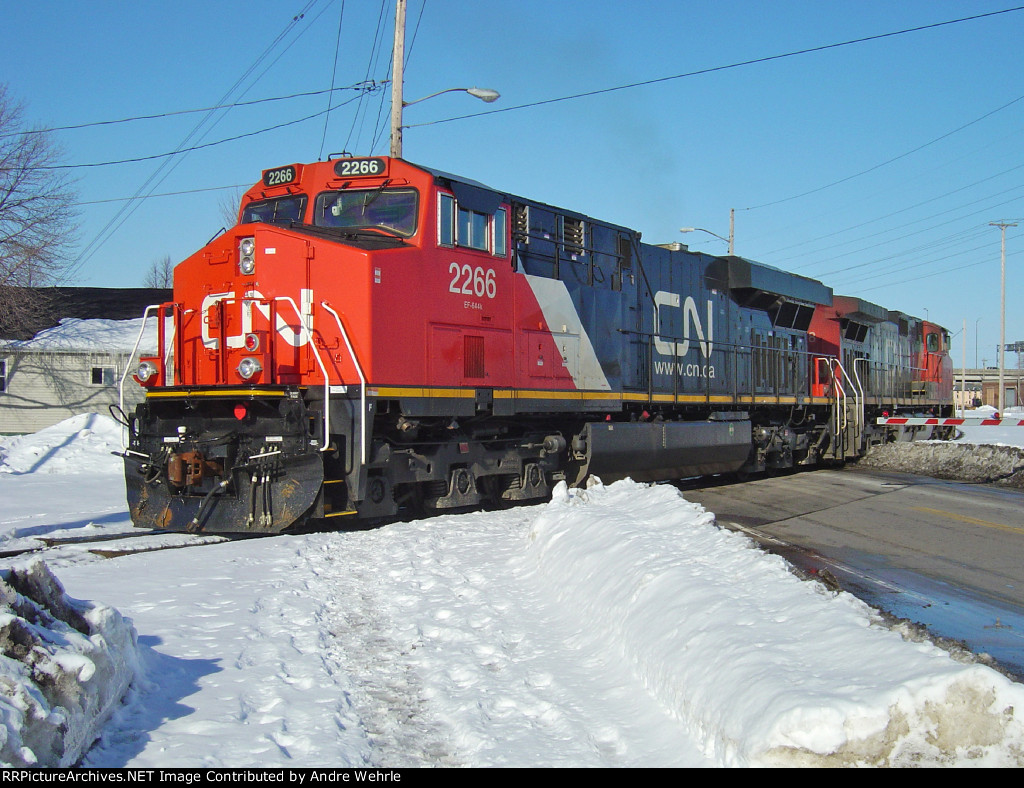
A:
{"points": [[194, 526]]}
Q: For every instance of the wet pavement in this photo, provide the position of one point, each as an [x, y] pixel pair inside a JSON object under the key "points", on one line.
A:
{"points": [[983, 625], [951, 566]]}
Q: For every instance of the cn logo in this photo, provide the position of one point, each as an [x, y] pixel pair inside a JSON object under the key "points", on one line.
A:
{"points": [[691, 322], [254, 301]]}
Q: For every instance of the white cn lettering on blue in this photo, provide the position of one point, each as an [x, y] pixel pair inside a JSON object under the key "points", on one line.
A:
{"points": [[690, 320]]}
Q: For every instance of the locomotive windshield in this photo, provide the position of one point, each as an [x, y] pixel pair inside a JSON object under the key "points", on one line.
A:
{"points": [[391, 210], [279, 210]]}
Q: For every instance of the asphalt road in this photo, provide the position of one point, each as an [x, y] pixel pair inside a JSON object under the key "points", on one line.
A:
{"points": [[946, 555]]}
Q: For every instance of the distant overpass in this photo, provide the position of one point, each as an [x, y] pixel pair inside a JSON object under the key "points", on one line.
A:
{"points": [[984, 383]]}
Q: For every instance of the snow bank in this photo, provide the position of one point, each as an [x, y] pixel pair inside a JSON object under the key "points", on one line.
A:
{"points": [[763, 669], [956, 461], [64, 667], [979, 454], [80, 444]]}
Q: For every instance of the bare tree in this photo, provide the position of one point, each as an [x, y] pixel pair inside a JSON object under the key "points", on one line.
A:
{"points": [[37, 222], [160, 273], [228, 205]]}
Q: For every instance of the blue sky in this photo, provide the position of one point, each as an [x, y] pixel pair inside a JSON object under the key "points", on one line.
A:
{"points": [[875, 167]]}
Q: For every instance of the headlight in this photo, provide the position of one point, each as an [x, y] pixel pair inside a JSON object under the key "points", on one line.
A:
{"points": [[145, 371], [249, 367], [247, 256]]}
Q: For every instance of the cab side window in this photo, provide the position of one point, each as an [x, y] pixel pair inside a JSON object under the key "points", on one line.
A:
{"points": [[471, 229], [277, 210], [500, 233], [446, 212]]}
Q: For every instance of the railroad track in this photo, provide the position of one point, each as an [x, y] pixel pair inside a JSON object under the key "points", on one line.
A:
{"points": [[116, 544]]}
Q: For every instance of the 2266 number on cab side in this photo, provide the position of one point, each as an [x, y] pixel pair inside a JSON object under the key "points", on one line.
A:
{"points": [[467, 280]]}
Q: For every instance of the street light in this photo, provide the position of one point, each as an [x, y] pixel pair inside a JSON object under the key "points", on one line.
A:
{"points": [[728, 240], [484, 94]]}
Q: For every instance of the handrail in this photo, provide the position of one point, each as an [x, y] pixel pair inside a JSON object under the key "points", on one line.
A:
{"points": [[860, 387], [858, 404], [362, 382], [167, 344], [127, 366], [839, 416], [839, 394], [306, 333], [323, 369]]}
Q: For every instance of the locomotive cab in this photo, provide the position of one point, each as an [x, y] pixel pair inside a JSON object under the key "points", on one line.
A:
{"points": [[345, 286], [934, 365]]}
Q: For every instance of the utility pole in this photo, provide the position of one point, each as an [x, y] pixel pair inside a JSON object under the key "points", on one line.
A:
{"points": [[963, 374], [1002, 311], [397, 77]]}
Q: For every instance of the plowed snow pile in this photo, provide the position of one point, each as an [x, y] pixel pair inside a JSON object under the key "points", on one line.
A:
{"points": [[64, 667], [954, 461], [65, 663], [812, 680], [981, 454], [615, 626]]}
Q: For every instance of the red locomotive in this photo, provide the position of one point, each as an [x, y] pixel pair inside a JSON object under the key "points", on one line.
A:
{"points": [[375, 337]]}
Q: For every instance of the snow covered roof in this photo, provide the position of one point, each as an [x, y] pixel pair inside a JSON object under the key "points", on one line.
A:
{"points": [[88, 303], [74, 335]]}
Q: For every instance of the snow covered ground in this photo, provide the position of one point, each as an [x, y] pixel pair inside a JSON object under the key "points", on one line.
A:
{"points": [[993, 436], [615, 626]]}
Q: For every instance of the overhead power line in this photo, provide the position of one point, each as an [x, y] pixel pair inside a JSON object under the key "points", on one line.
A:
{"points": [[362, 86], [334, 74], [713, 69], [202, 146], [370, 86], [359, 116], [888, 215], [887, 162], [959, 267], [901, 229], [162, 194], [208, 122]]}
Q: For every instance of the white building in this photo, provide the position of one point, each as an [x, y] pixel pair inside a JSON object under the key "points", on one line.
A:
{"points": [[74, 367]]}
